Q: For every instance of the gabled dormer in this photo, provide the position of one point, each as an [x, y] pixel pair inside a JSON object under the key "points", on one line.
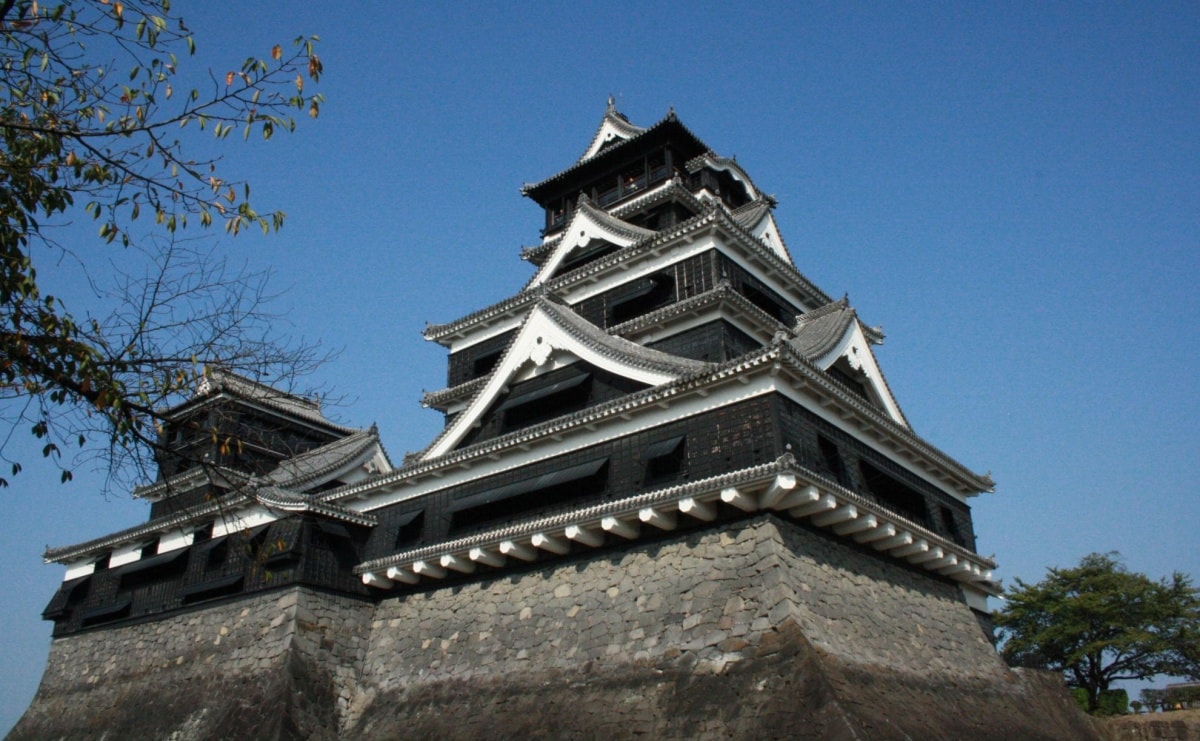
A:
{"points": [[833, 339], [552, 337], [721, 179], [591, 234], [758, 218], [613, 128]]}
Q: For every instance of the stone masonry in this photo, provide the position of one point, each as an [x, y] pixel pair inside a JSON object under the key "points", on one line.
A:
{"points": [[758, 629]]}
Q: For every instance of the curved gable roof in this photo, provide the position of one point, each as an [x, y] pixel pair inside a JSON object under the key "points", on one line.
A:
{"points": [[756, 218], [713, 161], [588, 223], [614, 126], [667, 128], [551, 335], [832, 333]]}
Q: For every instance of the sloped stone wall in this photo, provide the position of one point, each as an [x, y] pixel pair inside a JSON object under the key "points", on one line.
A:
{"points": [[274, 665], [753, 630], [762, 629]]}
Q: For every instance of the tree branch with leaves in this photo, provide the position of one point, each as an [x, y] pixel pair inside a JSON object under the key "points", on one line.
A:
{"points": [[97, 121]]}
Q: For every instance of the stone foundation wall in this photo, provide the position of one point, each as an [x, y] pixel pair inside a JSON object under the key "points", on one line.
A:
{"points": [[274, 665], [756, 629]]}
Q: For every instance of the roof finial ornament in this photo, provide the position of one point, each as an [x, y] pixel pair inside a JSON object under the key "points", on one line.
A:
{"points": [[612, 104]]}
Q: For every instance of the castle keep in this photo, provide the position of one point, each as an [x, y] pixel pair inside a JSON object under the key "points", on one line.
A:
{"points": [[673, 496]]}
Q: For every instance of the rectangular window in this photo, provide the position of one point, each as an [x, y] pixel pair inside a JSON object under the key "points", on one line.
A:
{"points": [[832, 458], [108, 613], [950, 525], [484, 363], [664, 460], [526, 407], [527, 496], [408, 528], [214, 552], [905, 500]]}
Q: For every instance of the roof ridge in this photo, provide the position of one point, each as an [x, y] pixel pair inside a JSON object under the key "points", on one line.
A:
{"points": [[670, 118]]}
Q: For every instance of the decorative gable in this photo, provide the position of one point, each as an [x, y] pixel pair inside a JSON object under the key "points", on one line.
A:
{"points": [[711, 161], [614, 128], [588, 229], [833, 339], [757, 218], [551, 337]]}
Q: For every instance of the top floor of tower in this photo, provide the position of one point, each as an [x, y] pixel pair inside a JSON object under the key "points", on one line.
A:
{"points": [[624, 161]]}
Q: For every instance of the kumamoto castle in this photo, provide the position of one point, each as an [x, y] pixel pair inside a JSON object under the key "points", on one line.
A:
{"points": [[674, 497]]}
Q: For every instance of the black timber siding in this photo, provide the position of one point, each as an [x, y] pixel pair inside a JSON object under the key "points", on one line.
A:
{"points": [[476, 360], [713, 342], [758, 292], [738, 436], [827, 450], [687, 278], [600, 387], [299, 550], [293, 550], [236, 435]]}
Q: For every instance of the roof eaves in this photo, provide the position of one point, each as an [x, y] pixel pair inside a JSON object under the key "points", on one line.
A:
{"points": [[189, 480], [618, 348], [157, 526], [286, 501], [814, 376], [725, 219], [670, 118], [443, 398], [765, 357], [722, 294], [741, 477], [358, 448]]}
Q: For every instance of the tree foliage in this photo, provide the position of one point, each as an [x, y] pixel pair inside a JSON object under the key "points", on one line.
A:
{"points": [[1098, 623], [99, 121]]}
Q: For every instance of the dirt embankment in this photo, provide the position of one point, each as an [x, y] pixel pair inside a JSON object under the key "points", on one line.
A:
{"points": [[1178, 725]]}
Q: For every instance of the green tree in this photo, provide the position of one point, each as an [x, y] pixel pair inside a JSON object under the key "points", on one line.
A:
{"points": [[1098, 623], [100, 121]]}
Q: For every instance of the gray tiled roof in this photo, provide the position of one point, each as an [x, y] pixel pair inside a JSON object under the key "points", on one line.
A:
{"points": [[777, 355], [596, 339], [303, 471], [317, 465], [668, 190], [712, 159], [618, 121], [749, 214], [217, 380], [722, 295], [738, 477], [618, 348], [443, 398], [669, 120], [818, 331], [191, 479], [276, 498], [715, 215], [604, 219]]}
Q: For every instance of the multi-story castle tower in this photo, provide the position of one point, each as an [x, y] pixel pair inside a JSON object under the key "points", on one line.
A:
{"points": [[673, 495]]}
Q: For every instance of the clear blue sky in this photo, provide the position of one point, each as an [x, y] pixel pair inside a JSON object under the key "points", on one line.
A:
{"points": [[1012, 190]]}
